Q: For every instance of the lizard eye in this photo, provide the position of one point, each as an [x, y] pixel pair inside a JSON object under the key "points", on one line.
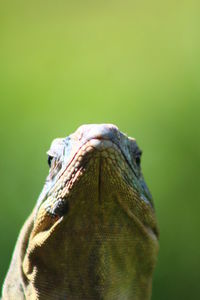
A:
{"points": [[138, 158], [49, 160]]}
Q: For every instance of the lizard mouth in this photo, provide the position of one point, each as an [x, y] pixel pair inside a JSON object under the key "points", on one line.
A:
{"points": [[94, 148], [105, 150]]}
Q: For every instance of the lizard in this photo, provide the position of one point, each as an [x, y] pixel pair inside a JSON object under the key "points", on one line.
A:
{"points": [[93, 233]]}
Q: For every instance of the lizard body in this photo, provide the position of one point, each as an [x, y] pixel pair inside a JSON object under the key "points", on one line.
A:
{"points": [[93, 232]]}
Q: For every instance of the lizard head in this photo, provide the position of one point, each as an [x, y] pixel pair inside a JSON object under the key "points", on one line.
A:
{"points": [[118, 163], [95, 205]]}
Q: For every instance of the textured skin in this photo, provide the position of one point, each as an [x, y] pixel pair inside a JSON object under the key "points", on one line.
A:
{"points": [[93, 232]]}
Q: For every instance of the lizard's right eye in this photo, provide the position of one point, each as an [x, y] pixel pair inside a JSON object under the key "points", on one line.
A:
{"points": [[49, 160]]}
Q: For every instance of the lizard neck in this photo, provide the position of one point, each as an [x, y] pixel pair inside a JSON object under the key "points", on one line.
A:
{"points": [[106, 257]]}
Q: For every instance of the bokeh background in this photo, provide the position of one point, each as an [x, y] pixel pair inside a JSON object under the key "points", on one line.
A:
{"points": [[132, 63]]}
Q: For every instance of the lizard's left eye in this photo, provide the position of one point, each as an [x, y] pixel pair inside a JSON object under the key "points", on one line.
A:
{"points": [[50, 160], [138, 158]]}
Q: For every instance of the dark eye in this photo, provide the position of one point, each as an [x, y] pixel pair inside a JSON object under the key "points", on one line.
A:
{"points": [[49, 160], [138, 158]]}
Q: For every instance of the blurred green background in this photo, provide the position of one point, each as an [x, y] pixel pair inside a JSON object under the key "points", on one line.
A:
{"points": [[132, 63]]}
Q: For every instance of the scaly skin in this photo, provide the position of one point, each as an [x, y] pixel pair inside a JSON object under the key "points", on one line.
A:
{"points": [[93, 232]]}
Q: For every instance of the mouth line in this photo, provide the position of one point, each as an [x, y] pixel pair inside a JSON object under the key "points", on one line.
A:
{"points": [[102, 146], [99, 147]]}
